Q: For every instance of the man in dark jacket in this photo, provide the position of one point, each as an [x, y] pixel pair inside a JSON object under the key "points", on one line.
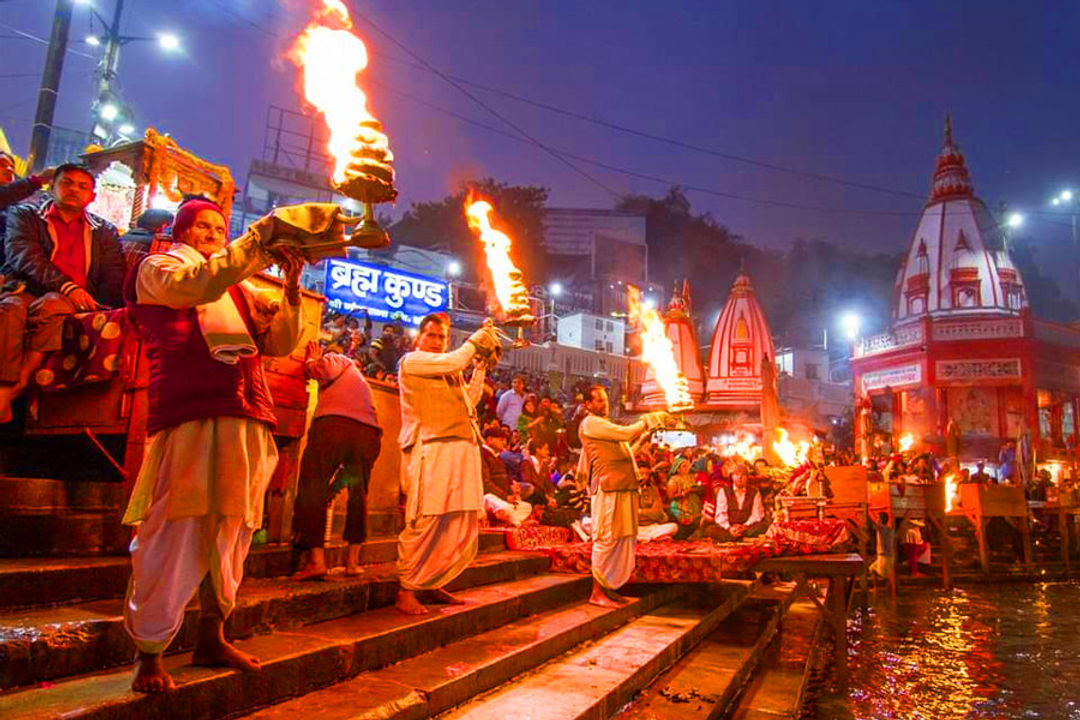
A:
{"points": [[59, 260]]}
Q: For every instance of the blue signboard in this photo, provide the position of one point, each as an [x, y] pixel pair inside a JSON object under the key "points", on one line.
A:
{"points": [[387, 294]]}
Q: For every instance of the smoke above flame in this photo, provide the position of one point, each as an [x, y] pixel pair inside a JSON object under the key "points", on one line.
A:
{"points": [[658, 352], [330, 57]]}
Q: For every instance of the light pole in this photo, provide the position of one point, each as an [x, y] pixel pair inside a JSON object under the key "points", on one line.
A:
{"points": [[50, 85], [1067, 200], [111, 115], [555, 289]]}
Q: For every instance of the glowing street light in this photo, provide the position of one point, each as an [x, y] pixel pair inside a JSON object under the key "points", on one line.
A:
{"points": [[126, 129], [851, 323], [1015, 220], [93, 40], [555, 289], [1066, 195], [168, 42], [109, 112], [453, 268]]}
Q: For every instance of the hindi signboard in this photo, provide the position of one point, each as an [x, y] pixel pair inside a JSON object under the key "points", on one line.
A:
{"points": [[387, 294]]}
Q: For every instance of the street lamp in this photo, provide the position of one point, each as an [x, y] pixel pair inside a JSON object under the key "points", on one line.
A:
{"points": [[111, 114], [851, 323], [453, 268], [1015, 220], [1067, 200]]}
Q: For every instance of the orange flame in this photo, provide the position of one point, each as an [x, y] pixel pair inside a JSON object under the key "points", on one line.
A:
{"points": [[907, 441], [330, 57], [658, 352], [505, 276], [951, 490], [743, 447], [790, 454]]}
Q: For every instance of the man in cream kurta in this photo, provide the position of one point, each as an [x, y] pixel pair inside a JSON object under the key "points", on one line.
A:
{"points": [[440, 463], [608, 464], [199, 495]]}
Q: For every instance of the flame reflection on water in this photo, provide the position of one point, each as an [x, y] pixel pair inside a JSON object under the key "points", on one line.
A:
{"points": [[994, 651]]}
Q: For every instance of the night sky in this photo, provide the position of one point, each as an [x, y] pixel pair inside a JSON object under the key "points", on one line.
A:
{"points": [[851, 90]]}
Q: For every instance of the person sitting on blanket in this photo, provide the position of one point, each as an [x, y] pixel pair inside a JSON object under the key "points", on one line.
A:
{"points": [[502, 494], [685, 505], [653, 520], [739, 511]]}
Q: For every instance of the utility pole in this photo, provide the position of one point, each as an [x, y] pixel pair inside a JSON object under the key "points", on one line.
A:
{"points": [[50, 85], [111, 62]]}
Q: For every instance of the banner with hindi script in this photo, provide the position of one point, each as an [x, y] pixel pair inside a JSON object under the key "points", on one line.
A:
{"points": [[387, 294]]}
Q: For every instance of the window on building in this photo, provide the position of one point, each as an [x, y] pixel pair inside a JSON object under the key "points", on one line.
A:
{"points": [[609, 347], [812, 371], [599, 324], [610, 326], [598, 345]]}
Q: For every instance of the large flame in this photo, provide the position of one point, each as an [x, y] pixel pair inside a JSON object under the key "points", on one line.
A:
{"points": [[742, 446], [658, 352], [907, 440], [791, 454], [505, 276], [951, 490], [330, 57]]}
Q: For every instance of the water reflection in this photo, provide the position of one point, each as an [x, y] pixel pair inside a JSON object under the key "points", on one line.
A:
{"points": [[996, 651]]}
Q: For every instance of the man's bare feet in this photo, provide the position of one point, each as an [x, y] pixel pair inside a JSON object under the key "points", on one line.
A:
{"points": [[352, 561], [621, 599], [310, 571], [212, 650], [600, 599], [150, 675], [407, 603], [441, 596]]}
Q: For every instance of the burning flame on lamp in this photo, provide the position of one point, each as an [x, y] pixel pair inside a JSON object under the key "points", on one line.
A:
{"points": [[907, 440], [790, 454], [330, 57], [658, 352], [742, 446], [951, 489], [506, 277]]}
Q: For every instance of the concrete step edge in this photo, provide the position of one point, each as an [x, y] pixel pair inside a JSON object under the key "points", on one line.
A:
{"points": [[426, 685], [623, 684], [293, 662], [44, 645]]}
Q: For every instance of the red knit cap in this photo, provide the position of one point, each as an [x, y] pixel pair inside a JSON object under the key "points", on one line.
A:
{"points": [[185, 215]]}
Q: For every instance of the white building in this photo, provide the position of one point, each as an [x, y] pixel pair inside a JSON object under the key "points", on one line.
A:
{"points": [[593, 332]]}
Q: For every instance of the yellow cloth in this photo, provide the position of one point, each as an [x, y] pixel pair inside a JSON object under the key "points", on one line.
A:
{"points": [[218, 466], [615, 529], [435, 549]]}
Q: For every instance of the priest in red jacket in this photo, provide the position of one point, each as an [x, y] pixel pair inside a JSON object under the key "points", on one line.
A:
{"points": [[210, 453]]}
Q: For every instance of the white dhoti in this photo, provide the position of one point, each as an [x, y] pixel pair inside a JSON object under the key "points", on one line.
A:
{"points": [[442, 513], [517, 512], [614, 520], [656, 531], [220, 466]]}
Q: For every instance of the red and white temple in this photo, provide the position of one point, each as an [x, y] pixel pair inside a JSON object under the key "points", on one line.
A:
{"points": [[963, 344], [728, 396]]}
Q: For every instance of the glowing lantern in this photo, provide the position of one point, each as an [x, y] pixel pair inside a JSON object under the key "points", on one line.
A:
{"points": [[907, 440]]}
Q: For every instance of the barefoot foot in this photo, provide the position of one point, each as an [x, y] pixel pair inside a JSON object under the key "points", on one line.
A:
{"points": [[224, 654], [407, 603], [150, 675], [310, 571], [445, 598], [600, 599]]}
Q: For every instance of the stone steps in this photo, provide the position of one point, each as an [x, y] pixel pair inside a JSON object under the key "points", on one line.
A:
{"points": [[45, 644], [39, 582], [297, 661], [778, 690], [426, 685], [707, 680], [598, 678]]}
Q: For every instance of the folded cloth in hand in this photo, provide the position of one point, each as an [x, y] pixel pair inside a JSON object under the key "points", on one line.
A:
{"points": [[224, 330], [309, 229]]}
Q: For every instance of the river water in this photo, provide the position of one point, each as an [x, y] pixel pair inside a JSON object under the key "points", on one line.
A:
{"points": [[1001, 651]]}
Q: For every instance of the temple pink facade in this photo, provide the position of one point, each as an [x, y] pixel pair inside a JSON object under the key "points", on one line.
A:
{"points": [[963, 345], [740, 342]]}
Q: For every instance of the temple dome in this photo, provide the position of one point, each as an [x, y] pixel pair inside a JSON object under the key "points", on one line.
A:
{"points": [[957, 263], [740, 342], [679, 326]]}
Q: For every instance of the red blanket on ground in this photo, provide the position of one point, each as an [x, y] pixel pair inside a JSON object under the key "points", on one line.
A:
{"points": [[90, 351], [688, 561]]}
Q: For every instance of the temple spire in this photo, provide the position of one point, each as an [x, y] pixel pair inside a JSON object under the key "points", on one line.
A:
{"points": [[951, 178], [948, 132]]}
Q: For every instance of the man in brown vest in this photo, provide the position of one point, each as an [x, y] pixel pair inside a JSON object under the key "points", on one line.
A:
{"points": [[608, 466], [739, 510], [440, 460]]}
